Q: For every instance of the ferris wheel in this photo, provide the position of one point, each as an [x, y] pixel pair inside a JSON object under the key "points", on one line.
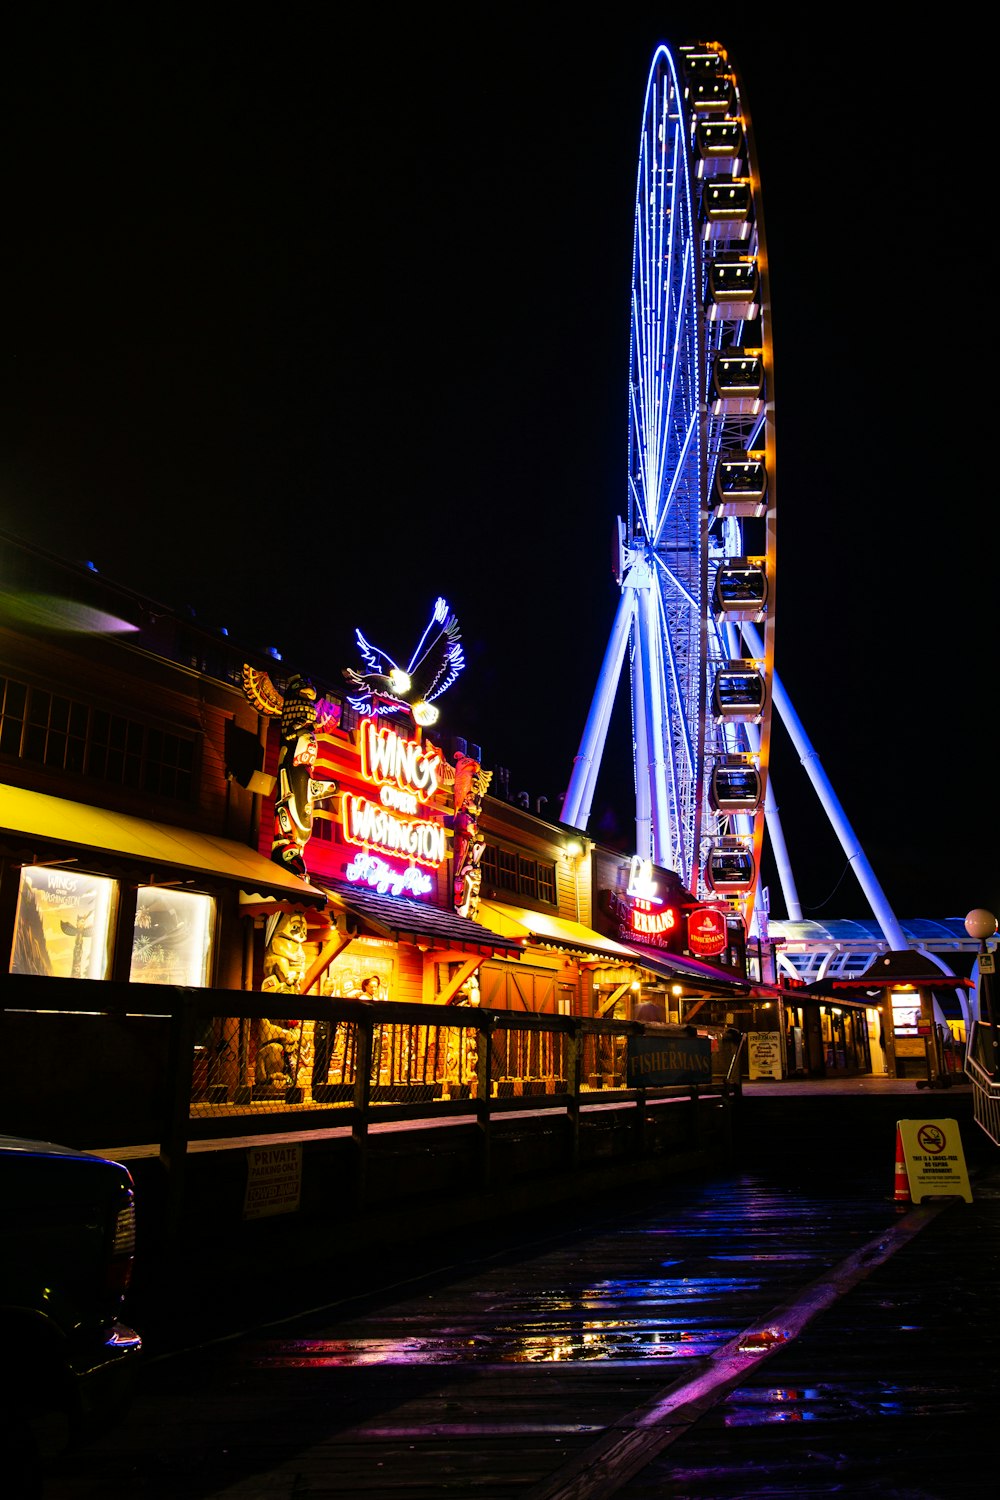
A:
{"points": [[696, 552]]}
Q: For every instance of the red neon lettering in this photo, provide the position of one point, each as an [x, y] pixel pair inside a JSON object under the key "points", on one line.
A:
{"points": [[388, 759]]}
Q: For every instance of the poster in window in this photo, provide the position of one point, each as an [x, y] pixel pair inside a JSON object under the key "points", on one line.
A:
{"points": [[905, 1013], [63, 923], [172, 942]]}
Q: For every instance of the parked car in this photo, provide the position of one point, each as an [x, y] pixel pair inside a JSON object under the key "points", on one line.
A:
{"points": [[67, 1245]]}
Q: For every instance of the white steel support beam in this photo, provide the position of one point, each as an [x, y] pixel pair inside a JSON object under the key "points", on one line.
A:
{"points": [[776, 838], [654, 696], [580, 795], [880, 908], [640, 745]]}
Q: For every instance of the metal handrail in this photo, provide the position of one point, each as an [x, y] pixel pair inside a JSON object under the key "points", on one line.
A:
{"points": [[985, 1089], [735, 1067]]}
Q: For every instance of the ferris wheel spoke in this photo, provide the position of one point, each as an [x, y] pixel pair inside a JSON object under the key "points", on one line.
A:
{"points": [[661, 344], [649, 251], [660, 223], [684, 761], [679, 472], [671, 420], [639, 483], [636, 499]]}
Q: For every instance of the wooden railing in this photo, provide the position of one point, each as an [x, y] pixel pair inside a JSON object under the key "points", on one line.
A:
{"points": [[106, 1063], [152, 1074]]}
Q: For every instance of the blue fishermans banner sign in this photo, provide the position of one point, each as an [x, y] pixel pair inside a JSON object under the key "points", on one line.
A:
{"points": [[653, 1061]]}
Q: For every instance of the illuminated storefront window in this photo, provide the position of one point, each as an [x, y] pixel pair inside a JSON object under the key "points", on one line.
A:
{"points": [[63, 924], [172, 943]]}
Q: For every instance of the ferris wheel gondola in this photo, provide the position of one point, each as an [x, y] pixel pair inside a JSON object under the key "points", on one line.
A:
{"points": [[697, 552]]}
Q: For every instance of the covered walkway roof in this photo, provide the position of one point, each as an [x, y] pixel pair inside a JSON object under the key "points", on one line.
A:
{"points": [[943, 934]]}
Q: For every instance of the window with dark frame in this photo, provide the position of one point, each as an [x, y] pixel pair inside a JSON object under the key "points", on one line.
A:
{"points": [[489, 867], [49, 729], [507, 869], [516, 874]]}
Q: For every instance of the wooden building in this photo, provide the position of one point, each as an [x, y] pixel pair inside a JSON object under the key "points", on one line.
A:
{"points": [[126, 850], [141, 840]]}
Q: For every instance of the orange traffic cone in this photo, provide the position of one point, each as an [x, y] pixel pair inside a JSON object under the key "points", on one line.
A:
{"points": [[902, 1191]]}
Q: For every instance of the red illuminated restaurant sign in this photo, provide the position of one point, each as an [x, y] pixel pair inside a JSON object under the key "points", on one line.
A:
{"points": [[707, 933], [642, 914], [648, 923]]}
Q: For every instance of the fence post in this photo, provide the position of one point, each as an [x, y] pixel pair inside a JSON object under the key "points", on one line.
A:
{"points": [[362, 1099], [574, 1074], [176, 1125], [641, 1121], [484, 1074], [694, 1118]]}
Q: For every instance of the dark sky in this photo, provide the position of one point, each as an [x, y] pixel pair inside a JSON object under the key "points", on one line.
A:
{"points": [[307, 322]]}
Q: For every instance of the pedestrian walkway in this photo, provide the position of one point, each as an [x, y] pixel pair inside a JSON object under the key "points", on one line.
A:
{"points": [[865, 1085], [786, 1328]]}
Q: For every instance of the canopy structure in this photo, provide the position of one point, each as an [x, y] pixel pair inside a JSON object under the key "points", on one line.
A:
{"points": [[894, 969], [900, 969], [433, 927]]}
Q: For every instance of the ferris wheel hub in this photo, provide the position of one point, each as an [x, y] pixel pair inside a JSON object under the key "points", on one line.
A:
{"points": [[638, 573]]}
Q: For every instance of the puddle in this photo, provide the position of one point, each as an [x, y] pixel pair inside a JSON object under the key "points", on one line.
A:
{"points": [[629, 1342]]}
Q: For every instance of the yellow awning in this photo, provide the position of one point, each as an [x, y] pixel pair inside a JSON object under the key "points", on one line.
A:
{"points": [[539, 927], [40, 819]]}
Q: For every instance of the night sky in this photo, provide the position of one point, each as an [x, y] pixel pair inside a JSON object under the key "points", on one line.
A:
{"points": [[306, 323]]}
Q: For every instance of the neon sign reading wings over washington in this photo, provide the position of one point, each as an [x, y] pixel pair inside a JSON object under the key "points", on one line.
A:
{"points": [[406, 775]]}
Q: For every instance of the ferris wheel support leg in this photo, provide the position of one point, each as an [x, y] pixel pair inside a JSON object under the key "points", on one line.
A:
{"points": [[776, 838], [580, 794], [881, 910], [653, 698], [640, 749]]}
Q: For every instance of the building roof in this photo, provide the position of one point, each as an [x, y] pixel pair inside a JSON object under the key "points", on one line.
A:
{"points": [[398, 917]]}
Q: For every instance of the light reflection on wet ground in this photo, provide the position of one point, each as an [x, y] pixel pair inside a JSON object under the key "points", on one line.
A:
{"points": [[726, 1257], [620, 1340], [751, 1408], [485, 1382]]}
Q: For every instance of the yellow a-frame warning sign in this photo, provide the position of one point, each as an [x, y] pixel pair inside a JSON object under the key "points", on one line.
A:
{"points": [[934, 1159]]}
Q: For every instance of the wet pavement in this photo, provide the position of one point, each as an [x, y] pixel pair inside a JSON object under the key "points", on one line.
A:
{"points": [[786, 1328]]}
